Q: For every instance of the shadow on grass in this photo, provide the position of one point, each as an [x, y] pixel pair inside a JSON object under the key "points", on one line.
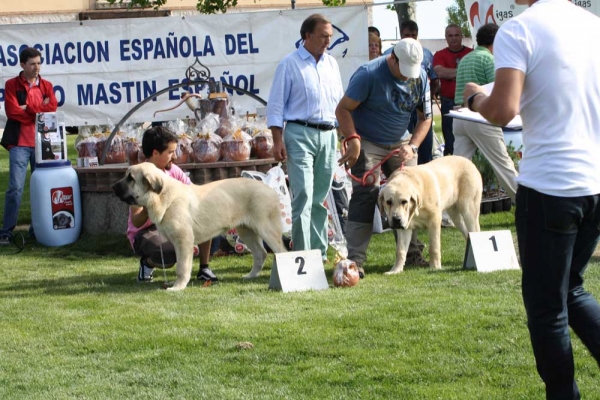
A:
{"points": [[86, 247], [447, 268], [111, 283]]}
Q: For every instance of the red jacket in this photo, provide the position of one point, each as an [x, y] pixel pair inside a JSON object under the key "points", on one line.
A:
{"points": [[20, 126]]}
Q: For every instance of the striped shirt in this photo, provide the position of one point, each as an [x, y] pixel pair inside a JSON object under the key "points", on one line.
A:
{"points": [[477, 67]]}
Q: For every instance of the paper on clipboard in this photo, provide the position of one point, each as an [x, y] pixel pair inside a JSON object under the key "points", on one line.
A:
{"points": [[468, 115]]}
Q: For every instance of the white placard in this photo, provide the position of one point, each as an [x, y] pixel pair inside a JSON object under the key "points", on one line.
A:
{"points": [[297, 271], [490, 251]]}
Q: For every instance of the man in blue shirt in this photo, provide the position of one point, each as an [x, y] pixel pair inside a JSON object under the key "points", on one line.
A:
{"points": [[306, 90], [373, 116], [410, 29]]}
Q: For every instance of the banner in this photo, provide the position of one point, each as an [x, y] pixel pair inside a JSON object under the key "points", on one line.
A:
{"points": [[481, 12], [102, 69]]}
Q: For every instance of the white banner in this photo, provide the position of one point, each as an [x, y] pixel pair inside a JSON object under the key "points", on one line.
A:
{"points": [[481, 12], [102, 69]]}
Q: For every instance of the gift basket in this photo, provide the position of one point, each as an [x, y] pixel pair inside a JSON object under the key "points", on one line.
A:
{"points": [[206, 147], [236, 147], [184, 141]]}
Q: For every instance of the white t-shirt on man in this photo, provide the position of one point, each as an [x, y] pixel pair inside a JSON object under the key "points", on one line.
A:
{"points": [[550, 43]]}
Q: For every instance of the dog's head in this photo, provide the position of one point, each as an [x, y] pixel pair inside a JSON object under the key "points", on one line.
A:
{"points": [[61, 220], [399, 201], [139, 182]]}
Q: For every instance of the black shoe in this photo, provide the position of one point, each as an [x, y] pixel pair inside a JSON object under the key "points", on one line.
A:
{"points": [[145, 273], [5, 239], [206, 274]]}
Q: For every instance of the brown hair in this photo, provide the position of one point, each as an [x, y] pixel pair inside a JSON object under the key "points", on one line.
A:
{"points": [[311, 22], [27, 53]]}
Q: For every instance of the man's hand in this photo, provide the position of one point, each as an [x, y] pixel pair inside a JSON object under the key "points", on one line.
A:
{"points": [[470, 89], [406, 153], [46, 100], [139, 215], [350, 155], [279, 153]]}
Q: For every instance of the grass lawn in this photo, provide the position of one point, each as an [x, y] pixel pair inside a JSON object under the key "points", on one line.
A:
{"points": [[76, 324]]}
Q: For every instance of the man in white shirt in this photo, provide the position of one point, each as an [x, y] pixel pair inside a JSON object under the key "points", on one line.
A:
{"points": [[544, 72]]}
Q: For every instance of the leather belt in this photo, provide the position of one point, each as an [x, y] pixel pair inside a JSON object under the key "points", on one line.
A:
{"points": [[321, 127]]}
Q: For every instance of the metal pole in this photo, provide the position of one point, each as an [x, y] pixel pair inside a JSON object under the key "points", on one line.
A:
{"points": [[293, 4]]}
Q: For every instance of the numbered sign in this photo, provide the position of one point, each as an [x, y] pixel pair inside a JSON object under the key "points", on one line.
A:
{"points": [[490, 251], [296, 271]]}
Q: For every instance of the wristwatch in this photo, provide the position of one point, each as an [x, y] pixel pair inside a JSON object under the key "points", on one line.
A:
{"points": [[414, 148], [470, 100]]}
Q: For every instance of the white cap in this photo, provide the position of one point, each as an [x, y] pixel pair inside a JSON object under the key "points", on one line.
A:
{"points": [[410, 55]]}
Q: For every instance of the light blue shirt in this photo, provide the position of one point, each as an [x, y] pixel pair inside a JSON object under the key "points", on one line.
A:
{"points": [[305, 90]]}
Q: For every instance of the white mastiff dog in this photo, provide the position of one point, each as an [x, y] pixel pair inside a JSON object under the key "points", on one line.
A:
{"points": [[189, 214], [415, 197]]}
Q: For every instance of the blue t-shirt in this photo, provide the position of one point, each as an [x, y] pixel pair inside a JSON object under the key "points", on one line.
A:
{"points": [[386, 102]]}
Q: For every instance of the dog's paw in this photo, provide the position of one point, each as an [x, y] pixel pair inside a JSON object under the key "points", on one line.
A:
{"points": [[394, 272], [176, 288], [250, 276]]}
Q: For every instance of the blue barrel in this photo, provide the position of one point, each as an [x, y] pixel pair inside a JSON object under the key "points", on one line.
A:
{"points": [[55, 203]]}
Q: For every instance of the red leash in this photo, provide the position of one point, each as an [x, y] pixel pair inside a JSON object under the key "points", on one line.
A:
{"points": [[368, 179]]}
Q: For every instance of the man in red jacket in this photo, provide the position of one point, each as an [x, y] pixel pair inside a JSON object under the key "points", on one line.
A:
{"points": [[24, 97]]}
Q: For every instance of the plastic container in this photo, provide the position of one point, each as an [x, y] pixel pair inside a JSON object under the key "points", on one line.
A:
{"points": [[55, 203]]}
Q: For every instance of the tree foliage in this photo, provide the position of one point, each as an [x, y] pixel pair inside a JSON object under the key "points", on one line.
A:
{"points": [[204, 6], [405, 11], [333, 3], [457, 14]]}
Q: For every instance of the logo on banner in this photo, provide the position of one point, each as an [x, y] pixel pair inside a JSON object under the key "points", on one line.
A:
{"points": [[481, 17], [339, 37]]}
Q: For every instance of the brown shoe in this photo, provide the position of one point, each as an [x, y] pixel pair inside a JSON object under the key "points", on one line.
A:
{"points": [[416, 259]]}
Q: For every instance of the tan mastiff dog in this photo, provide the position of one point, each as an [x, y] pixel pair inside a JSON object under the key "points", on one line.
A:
{"points": [[189, 214], [414, 197]]}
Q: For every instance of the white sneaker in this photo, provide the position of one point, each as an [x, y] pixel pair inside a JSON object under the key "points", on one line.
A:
{"points": [[145, 273]]}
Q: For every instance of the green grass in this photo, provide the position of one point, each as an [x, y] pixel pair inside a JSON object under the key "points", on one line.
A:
{"points": [[77, 325]]}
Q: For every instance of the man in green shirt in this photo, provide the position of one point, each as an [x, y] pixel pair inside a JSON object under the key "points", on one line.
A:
{"points": [[478, 67]]}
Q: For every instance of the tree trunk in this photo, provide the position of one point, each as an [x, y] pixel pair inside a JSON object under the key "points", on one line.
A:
{"points": [[405, 12]]}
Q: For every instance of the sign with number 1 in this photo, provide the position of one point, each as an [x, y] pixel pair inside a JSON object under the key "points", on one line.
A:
{"points": [[297, 271], [490, 251]]}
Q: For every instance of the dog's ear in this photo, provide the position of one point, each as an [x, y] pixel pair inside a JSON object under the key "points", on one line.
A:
{"points": [[415, 203], [380, 203], [154, 182]]}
